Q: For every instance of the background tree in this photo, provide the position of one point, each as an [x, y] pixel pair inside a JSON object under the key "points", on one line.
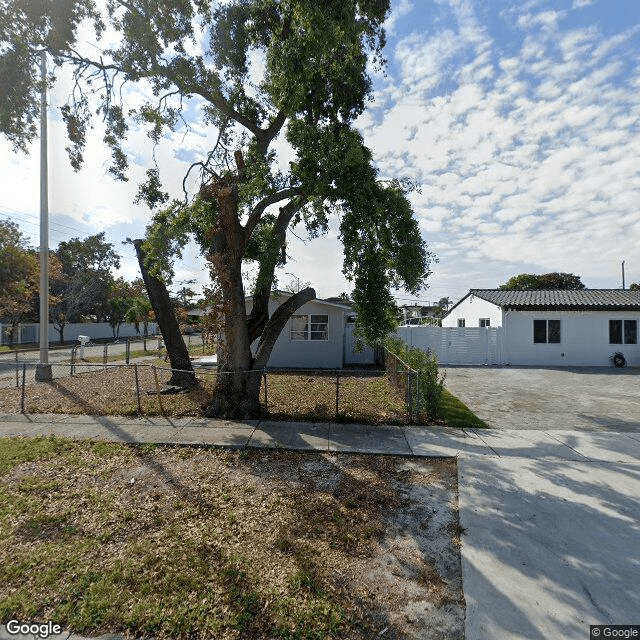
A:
{"points": [[88, 266], [121, 297], [296, 284], [634, 286], [19, 276], [315, 84], [532, 282], [82, 288], [140, 311], [184, 296]]}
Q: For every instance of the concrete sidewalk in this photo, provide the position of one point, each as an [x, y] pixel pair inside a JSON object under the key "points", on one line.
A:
{"points": [[551, 518], [331, 436]]}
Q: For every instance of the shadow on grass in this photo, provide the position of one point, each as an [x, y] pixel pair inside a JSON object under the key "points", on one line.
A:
{"points": [[339, 506]]}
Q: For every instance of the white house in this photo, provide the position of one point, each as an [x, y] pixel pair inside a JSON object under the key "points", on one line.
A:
{"points": [[319, 335], [555, 327]]}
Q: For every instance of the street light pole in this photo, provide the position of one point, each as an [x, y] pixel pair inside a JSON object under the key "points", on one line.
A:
{"points": [[43, 370]]}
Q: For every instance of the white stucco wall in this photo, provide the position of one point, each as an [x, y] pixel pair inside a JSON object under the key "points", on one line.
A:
{"points": [[584, 339], [308, 353], [472, 309]]}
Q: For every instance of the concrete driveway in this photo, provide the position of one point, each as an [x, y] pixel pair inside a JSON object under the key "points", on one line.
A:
{"points": [[576, 398]]}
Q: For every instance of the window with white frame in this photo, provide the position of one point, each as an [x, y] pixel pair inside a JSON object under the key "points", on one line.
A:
{"points": [[623, 332], [485, 322], [546, 331], [309, 327], [461, 322]]}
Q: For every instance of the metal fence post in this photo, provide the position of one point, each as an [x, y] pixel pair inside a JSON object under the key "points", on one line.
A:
{"points": [[17, 371], [128, 351], [409, 398], [337, 391], [104, 355], [266, 399], [73, 359], [24, 376], [155, 375], [135, 370]]}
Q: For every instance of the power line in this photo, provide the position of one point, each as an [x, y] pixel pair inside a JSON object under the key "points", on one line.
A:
{"points": [[21, 216]]}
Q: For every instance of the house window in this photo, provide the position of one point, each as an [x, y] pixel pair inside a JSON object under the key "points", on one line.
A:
{"points": [[305, 327], [623, 332], [546, 331], [299, 328], [485, 322], [319, 328], [461, 322]]}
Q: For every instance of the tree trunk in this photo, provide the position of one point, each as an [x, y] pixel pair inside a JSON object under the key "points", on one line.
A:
{"points": [[237, 392], [183, 374]]}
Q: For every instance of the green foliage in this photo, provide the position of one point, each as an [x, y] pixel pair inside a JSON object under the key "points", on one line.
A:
{"points": [[533, 282], [315, 83], [430, 385], [19, 274]]}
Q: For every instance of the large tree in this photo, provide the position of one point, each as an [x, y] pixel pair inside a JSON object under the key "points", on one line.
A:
{"points": [[19, 275], [88, 265], [533, 282], [314, 83]]}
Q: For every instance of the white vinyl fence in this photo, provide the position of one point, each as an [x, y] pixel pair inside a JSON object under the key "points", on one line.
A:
{"points": [[26, 333], [458, 345], [351, 355]]}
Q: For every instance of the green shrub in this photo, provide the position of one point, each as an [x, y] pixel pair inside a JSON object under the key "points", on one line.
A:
{"points": [[427, 394]]}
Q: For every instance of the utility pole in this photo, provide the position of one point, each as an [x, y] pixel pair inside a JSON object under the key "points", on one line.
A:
{"points": [[43, 369], [623, 275]]}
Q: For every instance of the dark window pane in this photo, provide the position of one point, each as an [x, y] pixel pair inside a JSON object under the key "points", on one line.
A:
{"points": [[539, 330], [299, 328], [615, 331], [631, 332], [319, 327], [461, 322], [554, 330]]}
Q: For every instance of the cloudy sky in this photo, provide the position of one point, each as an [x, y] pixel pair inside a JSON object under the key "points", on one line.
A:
{"points": [[520, 121]]}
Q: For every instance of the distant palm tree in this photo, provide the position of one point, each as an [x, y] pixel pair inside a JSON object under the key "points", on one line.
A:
{"points": [[139, 311], [444, 303]]}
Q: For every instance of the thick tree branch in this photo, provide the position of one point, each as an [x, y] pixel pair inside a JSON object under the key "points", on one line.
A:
{"points": [[260, 309], [276, 324], [268, 134], [182, 371], [258, 210]]}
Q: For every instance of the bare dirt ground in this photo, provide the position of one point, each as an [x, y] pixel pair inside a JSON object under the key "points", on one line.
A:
{"points": [[371, 542]]}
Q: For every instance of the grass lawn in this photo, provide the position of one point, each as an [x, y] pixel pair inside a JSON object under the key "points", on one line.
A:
{"points": [[456, 414], [187, 543]]}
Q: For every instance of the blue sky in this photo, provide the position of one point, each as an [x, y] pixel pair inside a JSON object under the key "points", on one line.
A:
{"points": [[520, 121]]}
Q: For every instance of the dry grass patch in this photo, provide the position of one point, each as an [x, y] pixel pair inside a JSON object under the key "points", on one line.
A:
{"points": [[365, 398], [201, 543]]}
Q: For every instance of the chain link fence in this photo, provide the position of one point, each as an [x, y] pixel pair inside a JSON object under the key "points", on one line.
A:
{"points": [[86, 380], [345, 395]]}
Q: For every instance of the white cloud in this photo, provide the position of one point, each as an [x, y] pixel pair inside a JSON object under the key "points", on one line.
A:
{"points": [[398, 10], [537, 156]]}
